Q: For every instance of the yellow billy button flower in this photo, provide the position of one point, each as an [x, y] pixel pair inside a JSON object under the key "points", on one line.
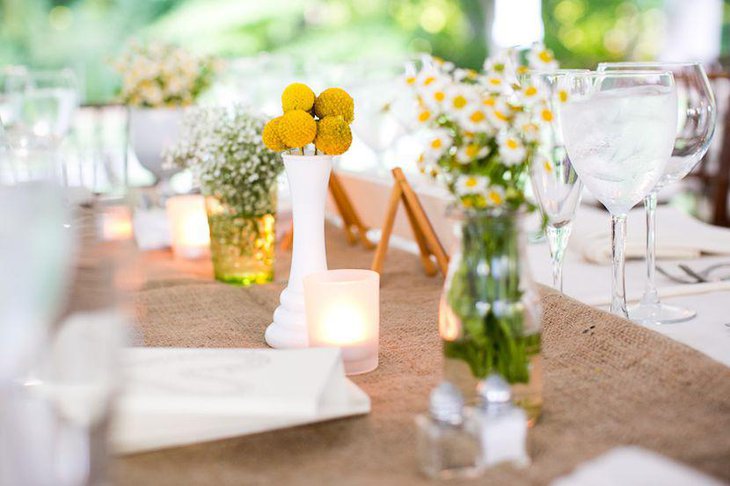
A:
{"points": [[333, 135], [270, 136], [297, 96], [335, 102], [297, 128]]}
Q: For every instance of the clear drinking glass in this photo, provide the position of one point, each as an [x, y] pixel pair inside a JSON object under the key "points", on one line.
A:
{"points": [[555, 183], [44, 109], [695, 128], [619, 130]]}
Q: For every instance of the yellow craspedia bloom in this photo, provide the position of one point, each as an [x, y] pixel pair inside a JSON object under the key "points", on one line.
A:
{"points": [[296, 128], [335, 102], [333, 135], [270, 136], [297, 96]]}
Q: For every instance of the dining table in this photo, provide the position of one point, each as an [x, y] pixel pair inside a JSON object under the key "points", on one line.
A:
{"points": [[607, 382]]}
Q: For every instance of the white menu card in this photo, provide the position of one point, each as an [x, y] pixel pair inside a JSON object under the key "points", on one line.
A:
{"points": [[180, 396]]}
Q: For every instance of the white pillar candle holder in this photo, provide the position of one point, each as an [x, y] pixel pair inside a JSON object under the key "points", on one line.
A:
{"points": [[308, 176], [343, 310], [188, 226]]}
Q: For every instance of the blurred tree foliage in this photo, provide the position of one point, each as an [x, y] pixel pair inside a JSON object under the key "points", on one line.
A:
{"points": [[584, 32], [86, 34]]}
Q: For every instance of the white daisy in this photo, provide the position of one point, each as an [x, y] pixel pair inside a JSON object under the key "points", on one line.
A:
{"points": [[438, 143], [471, 184], [495, 196], [526, 127], [458, 100], [511, 149], [470, 152], [499, 112], [541, 58]]}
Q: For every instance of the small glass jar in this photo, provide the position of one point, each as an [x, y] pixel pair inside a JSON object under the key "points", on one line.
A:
{"points": [[448, 447], [241, 245], [489, 314]]}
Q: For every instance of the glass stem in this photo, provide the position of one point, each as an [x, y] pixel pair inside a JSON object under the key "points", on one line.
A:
{"points": [[650, 296], [618, 283], [557, 237]]}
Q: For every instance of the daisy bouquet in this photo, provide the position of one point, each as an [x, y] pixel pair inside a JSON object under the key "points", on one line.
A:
{"points": [[483, 131], [163, 75], [482, 128]]}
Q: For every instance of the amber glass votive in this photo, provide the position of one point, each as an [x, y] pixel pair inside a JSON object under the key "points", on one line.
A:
{"points": [[343, 310]]}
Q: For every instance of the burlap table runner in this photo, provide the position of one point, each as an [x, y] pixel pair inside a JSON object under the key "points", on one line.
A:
{"points": [[607, 382]]}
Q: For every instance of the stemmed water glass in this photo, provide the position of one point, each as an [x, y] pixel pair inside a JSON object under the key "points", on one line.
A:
{"points": [[619, 130], [697, 115], [44, 109], [555, 183]]}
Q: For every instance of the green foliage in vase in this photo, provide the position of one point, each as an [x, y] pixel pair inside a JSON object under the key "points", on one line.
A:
{"points": [[223, 149], [486, 294]]}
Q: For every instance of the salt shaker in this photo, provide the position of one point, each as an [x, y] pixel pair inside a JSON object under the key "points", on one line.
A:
{"points": [[502, 425], [446, 447]]}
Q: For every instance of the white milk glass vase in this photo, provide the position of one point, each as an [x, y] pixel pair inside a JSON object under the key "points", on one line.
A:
{"points": [[308, 181], [151, 130]]}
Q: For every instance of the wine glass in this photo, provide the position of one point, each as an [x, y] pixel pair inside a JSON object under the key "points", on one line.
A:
{"points": [[619, 130], [697, 115], [44, 103], [555, 183]]}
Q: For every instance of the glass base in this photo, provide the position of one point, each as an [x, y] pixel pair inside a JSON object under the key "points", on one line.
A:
{"points": [[245, 279], [660, 314]]}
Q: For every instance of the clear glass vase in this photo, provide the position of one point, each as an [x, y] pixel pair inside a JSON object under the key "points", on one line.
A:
{"points": [[489, 315], [241, 246]]}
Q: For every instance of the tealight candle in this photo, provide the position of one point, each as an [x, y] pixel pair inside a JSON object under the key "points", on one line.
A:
{"points": [[343, 310], [188, 226], [116, 223]]}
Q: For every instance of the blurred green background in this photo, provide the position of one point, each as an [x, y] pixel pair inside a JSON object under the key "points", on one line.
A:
{"points": [[87, 34]]}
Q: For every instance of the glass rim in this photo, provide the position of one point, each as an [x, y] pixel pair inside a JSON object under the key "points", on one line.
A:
{"points": [[657, 64], [626, 73]]}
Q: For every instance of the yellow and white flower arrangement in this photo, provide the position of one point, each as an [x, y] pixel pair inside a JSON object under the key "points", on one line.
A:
{"points": [[482, 128], [163, 75], [311, 124]]}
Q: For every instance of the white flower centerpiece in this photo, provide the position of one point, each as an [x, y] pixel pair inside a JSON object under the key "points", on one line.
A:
{"points": [[484, 129], [238, 175], [158, 81]]}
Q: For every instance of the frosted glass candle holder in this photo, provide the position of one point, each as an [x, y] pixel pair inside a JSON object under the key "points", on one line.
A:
{"points": [[343, 310], [188, 226]]}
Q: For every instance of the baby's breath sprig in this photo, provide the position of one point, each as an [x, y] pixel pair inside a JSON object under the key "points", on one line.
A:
{"points": [[223, 149]]}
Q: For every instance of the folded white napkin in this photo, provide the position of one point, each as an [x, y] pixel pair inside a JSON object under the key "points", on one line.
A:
{"points": [[634, 466], [151, 229], [174, 397], [679, 236]]}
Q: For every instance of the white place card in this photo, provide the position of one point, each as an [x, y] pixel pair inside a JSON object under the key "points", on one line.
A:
{"points": [[176, 397]]}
